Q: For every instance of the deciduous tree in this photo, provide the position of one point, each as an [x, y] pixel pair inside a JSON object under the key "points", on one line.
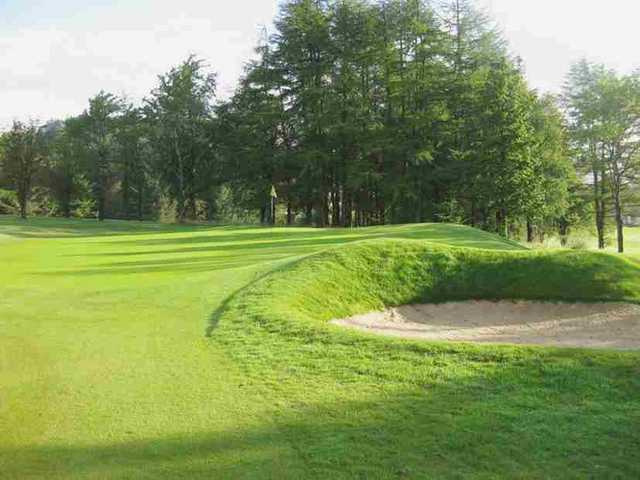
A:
{"points": [[23, 156]]}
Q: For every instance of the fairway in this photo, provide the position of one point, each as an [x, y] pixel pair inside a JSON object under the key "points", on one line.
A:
{"points": [[141, 350]]}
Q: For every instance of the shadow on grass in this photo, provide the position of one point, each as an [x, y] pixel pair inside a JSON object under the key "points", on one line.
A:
{"points": [[185, 265], [235, 247], [216, 316], [524, 419], [238, 249], [52, 227], [439, 233], [292, 239]]}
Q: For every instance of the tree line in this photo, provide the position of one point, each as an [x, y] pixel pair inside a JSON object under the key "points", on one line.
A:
{"points": [[354, 113]]}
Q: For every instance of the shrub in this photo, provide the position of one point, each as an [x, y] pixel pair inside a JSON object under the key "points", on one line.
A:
{"points": [[577, 243], [85, 208], [8, 202]]}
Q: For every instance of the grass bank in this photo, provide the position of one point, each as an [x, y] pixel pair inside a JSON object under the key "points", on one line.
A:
{"points": [[355, 404]]}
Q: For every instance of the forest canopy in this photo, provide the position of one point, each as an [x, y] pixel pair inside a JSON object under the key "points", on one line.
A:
{"points": [[353, 113]]}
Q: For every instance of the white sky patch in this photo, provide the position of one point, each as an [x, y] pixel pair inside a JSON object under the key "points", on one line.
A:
{"points": [[51, 62], [549, 35], [54, 55]]}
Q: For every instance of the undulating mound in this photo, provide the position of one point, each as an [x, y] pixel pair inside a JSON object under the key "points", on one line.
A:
{"points": [[357, 405], [301, 298]]}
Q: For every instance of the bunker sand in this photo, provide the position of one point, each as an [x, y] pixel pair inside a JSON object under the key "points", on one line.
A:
{"points": [[592, 325]]}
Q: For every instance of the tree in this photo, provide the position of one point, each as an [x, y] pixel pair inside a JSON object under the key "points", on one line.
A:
{"points": [[180, 111], [555, 171], [97, 127], [23, 156], [303, 57], [397, 111], [620, 137], [64, 166], [579, 99], [254, 137], [507, 180], [604, 111], [359, 112], [133, 152]]}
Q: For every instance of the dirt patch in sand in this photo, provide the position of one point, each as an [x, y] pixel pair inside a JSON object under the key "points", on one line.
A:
{"points": [[599, 325]]}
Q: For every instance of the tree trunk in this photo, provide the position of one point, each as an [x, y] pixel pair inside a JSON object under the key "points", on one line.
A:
{"points": [[501, 223], [308, 215], [101, 206], [336, 205], [211, 208], [100, 184], [529, 231], [23, 189], [472, 215], [181, 210], [125, 192], [381, 212], [347, 213], [191, 210], [600, 225], [599, 207], [323, 221], [289, 213], [23, 206], [563, 230], [66, 206], [619, 222], [65, 200], [181, 197], [140, 202]]}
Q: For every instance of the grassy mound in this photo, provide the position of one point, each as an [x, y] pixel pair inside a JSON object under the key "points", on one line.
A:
{"points": [[355, 404], [372, 275]]}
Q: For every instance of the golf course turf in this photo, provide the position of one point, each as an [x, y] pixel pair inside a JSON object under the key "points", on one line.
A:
{"points": [[139, 350]]}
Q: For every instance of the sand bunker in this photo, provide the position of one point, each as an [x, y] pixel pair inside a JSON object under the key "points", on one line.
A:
{"points": [[600, 325]]}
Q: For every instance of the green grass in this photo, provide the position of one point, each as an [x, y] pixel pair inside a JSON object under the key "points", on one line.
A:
{"points": [[631, 241], [586, 240], [147, 351]]}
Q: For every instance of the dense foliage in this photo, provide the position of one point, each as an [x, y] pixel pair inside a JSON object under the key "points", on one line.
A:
{"points": [[374, 112], [354, 113], [604, 118]]}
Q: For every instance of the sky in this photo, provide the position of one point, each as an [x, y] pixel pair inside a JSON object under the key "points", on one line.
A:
{"points": [[549, 35], [55, 54]]}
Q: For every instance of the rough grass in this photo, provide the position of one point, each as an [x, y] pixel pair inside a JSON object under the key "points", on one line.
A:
{"points": [[148, 351], [439, 410]]}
